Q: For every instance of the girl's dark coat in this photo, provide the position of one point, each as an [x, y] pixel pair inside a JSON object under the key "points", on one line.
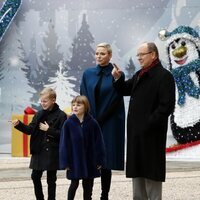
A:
{"points": [[81, 148], [110, 113], [44, 146], [152, 100]]}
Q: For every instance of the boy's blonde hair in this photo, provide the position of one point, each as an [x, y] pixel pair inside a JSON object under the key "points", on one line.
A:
{"points": [[48, 91], [106, 46], [82, 100]]}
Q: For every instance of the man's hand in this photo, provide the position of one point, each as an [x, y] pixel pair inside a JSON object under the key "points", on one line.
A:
{"points": [[116, 72]]}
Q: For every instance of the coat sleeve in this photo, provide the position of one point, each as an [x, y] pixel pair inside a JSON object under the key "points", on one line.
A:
{"points": [[83, 87], [64, 147], [122, 86], [100, 146], [27, 129], [166, 100]]}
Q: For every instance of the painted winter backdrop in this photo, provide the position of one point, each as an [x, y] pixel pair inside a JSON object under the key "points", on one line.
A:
{"points": [[50, 43]]}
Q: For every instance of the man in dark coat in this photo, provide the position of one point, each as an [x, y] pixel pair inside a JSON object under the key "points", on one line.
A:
{"points": [[44, 143], [107, 107], [152, 99]]}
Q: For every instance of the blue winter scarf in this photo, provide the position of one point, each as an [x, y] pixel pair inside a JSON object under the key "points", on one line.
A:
{"points": [[184, 81]]}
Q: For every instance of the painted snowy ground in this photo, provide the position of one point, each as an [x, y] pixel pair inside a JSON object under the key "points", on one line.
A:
{"points": [[187, 154], [5, 137]]}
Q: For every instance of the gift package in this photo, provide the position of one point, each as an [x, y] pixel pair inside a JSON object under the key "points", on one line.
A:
{"points": [[21, 141]]}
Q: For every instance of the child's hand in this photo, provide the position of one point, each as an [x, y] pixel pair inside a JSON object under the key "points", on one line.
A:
{"points": [[43, 126], [14, 122], [69, 115], [99, 167]]}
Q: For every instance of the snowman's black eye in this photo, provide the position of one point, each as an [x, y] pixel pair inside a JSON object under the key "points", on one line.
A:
{"points": [[183, 43], [173, 46]]}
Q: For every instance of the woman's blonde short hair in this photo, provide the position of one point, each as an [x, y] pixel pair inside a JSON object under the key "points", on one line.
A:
{"points": [[82, 100], [49, 92], [106, 46]]}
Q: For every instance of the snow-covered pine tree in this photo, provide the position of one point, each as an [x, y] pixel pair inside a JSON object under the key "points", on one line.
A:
{"points": [[61, 83], [31, 68], [82, 52], [15, 91], [130, 68], [50, 54]]}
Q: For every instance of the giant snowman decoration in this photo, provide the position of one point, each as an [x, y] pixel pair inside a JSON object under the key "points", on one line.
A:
{"points": [[183, 52]]}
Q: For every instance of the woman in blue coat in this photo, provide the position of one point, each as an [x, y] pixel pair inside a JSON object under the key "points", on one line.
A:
{"points": [[82, 150], [107, 107]]}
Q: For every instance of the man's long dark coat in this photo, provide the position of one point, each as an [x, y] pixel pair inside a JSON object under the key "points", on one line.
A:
{"points": [[152, 99]]}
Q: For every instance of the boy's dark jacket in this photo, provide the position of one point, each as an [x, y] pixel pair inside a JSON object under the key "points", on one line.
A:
{"points": [[43, 143], [81, 148]]}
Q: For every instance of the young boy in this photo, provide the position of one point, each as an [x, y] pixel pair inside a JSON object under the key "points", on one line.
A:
{"points": [[44, 143]]}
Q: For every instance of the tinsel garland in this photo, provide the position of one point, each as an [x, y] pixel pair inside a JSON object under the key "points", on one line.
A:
{"points": [[184, 81], [7, 13], [185, 30], [177, 147]]}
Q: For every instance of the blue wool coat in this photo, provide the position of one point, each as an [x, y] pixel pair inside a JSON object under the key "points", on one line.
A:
{"points": [[81, 148], [112, 122]]}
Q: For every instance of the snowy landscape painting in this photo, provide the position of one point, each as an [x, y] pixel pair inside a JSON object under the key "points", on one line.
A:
{"points": [[50, 43]]}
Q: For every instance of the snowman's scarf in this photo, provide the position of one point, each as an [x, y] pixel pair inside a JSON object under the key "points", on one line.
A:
{"points": [[184, 81]]}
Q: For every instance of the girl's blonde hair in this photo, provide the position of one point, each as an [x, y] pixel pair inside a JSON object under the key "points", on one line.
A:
{"points": [[48, 91], [82, 100]]}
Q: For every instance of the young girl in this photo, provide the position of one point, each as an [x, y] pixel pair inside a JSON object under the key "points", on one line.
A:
{"points": [[82, 150]]}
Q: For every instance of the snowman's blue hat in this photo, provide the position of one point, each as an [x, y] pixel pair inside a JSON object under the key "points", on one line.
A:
{"points": [[180, 32], [184, 29]]}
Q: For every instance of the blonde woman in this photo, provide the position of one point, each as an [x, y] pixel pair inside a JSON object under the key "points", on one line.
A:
{"points": [[107, 107]]}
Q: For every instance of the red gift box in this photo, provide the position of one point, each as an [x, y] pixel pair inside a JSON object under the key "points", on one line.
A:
{"points": [[21, 141]]}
